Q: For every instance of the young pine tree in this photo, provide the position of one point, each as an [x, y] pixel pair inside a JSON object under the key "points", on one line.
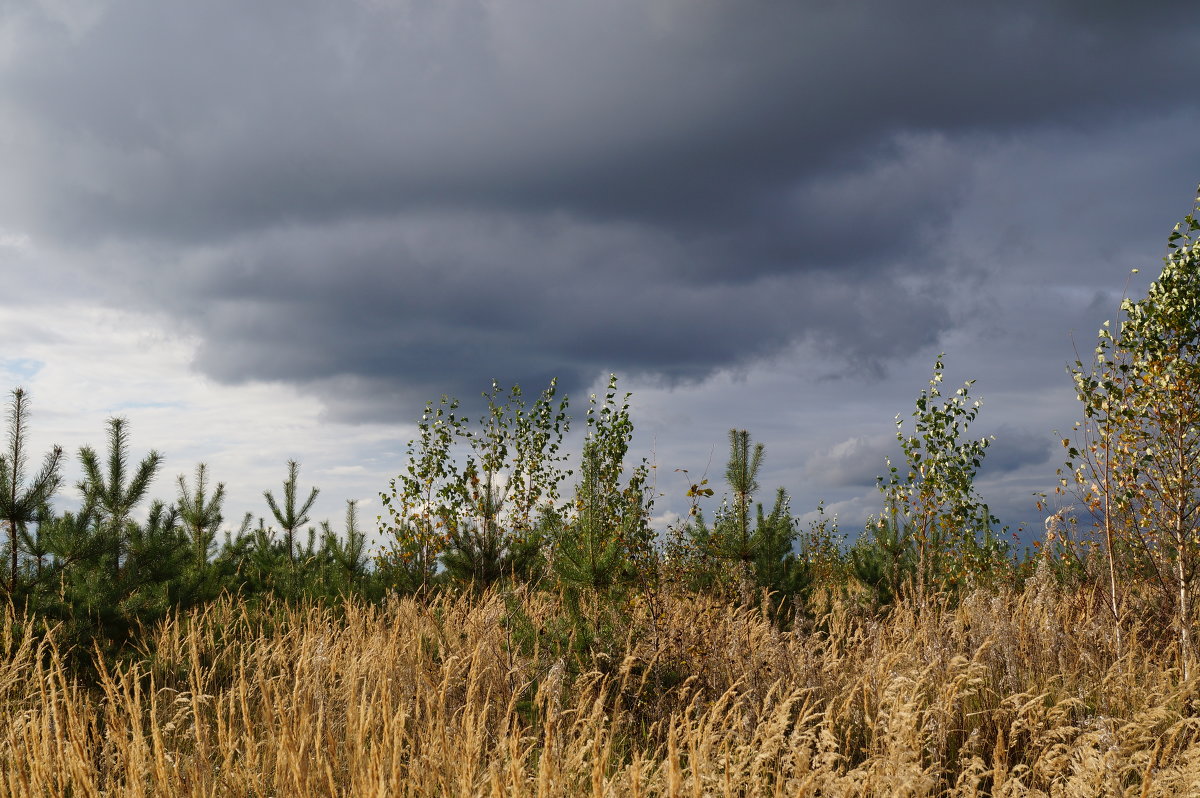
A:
{"points": [[200, 514], [741, 474], [346, 560], [747, 556], [291, 517], [20, 503], [116, 495]]}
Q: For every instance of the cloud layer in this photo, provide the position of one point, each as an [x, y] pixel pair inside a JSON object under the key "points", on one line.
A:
{"points": [[378, 201]]}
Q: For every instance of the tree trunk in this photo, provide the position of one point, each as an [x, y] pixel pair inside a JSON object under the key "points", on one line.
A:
{"points": [[1109, 552], [1185, 622], [12, 538]]}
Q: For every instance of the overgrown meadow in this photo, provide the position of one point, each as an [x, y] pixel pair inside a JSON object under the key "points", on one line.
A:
{"points": [[525, 632]]}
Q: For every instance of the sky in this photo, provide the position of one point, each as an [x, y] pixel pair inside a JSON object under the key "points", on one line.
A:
{"points": [[274, 230]]}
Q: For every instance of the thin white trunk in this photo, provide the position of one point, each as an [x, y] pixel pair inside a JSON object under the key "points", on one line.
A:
{"points": [[1185, 634]]}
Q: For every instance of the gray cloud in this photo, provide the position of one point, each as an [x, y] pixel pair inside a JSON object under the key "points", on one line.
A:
{"points": [[445, 302], [857, 461], [188, 120], [1013, 449], [854, 462], [383, 200]]}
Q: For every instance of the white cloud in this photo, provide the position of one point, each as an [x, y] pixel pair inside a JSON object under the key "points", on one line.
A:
{"points": [[99, 363]]}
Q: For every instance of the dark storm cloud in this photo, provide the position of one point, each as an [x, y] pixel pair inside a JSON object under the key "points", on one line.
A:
{"points": [[1012, 449], [444, 303], [396, 199], [185, 119], [854, 462], [859, 460]]}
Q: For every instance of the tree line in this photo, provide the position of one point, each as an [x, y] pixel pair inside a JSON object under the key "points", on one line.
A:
{"points": [[494, 502]]}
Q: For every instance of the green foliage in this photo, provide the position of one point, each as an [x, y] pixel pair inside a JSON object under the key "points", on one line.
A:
{"points": [[199, 518], [884, 557], [115, 575], [734, 555], [253, 560], [63, 541], [608, 541], [115, 497], [200, 514], [483, 518], [689, 557], [509, 479], [20, 504], [933, 500], [822, 550], [777, 568], [1136, 462], [418, 501], [742, 476], [77, 589], [478, 504], [347, 558], [291, 517], [35, 539], [255, 563]]}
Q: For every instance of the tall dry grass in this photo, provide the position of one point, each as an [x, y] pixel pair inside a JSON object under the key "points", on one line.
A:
{"points": [[1009, 693]]}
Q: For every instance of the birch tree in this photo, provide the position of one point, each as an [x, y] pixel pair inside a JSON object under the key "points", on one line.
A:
{"points": [[1142, 399]]}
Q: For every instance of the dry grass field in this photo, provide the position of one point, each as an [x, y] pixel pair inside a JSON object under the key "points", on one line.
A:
{"points": [[1006, 694]]}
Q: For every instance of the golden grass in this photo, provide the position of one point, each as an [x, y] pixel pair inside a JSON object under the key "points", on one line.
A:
{"points": [[1008, 694]]}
